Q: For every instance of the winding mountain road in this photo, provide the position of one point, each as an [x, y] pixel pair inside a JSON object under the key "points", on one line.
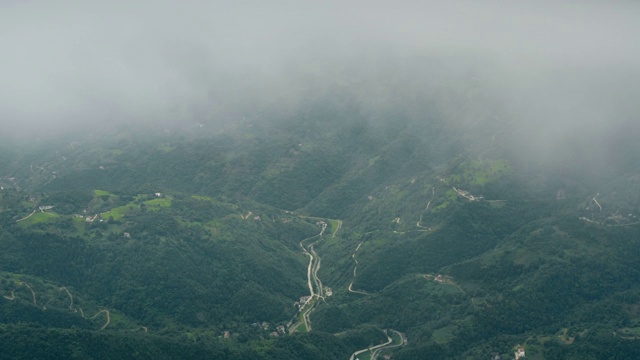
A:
{"points": [[33, 294], [70, 299], [312, 278], [386, 345], [355, 269], [403, 342], [108, 318]]}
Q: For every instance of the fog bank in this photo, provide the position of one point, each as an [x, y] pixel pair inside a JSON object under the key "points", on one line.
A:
{"points": [[81, 65]]}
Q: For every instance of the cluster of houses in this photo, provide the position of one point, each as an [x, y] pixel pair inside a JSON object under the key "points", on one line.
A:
{"points": [[93, 218], [328, 291], [303, 300], [441, 279], [280, 329], [322, 224], [465, 194], [519, 354]]}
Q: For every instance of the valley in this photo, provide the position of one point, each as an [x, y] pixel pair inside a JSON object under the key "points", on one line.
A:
{"points": [[380, 257], [319, 180]]}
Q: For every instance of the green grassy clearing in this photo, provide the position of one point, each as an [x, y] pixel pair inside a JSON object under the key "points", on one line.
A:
{"points": [[303, 326], [202, 198], [333, 225], [78, 223], [39, 217], [156, 204], [443, 335], [634, 331], [397, 339], [101, 193], [118, 212]]}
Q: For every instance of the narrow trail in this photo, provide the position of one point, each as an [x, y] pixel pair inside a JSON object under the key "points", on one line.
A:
{"points": [[353, 256], [108, 317], [375, 350], [305, 317], [70, 299], [616, 217], [356, 291], [33, 294], [355, 269], [425, 210], [337, 228], [594, 200], [483, 303], [71, 304], [12, 297], [609, 225], [422, 227], [26, 217]]}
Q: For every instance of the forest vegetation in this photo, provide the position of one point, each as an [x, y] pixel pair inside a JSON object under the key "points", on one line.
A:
{"points": [[148, 245]]}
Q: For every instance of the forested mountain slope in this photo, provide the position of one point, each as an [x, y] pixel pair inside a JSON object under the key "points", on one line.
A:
{"points": [[448, 238]]}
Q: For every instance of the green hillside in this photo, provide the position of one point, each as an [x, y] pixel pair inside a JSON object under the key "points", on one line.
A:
{"points": [[205, 245]]}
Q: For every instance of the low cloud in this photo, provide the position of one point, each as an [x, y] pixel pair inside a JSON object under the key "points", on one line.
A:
{"points": [[553, 68]]}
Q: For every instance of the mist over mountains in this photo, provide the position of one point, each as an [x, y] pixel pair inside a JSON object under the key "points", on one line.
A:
{"points": [[553, 67], [283, 180]]}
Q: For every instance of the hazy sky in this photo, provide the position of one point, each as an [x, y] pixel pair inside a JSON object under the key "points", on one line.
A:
{"points": [[78, 64]]}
